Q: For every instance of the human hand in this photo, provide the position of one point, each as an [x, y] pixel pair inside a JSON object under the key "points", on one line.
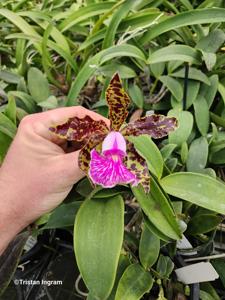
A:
{"points": [[37, 174]]}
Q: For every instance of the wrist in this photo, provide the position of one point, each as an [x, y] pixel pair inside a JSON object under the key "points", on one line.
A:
{"points": [[11, 217]]}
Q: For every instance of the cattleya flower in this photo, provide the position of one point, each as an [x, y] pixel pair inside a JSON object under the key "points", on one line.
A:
{"points": [[106, 155]]}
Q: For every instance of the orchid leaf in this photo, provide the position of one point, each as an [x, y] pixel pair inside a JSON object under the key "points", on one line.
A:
{"points": [[79, 129], [199, 189], [38, 85], [203, 223], [93, 63], [175, 52], [197, 155], [185, 124], [122, 11], [134, 283], [98, 236], [63, 215], [202, 114], [124, 262], [209, 92], [149, 248], [192, 17], [158, 209], [118, 102], [9, 259], [150, 152], [157, 126]]}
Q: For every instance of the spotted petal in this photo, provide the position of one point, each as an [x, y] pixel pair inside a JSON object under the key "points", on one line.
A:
{"points": [[157, 126], [85, 153], [108, 172], [138, 166], [118, 102], [80, 130]]}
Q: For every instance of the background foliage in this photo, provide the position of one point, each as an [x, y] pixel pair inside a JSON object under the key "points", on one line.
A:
{"points": [[171, 58]]}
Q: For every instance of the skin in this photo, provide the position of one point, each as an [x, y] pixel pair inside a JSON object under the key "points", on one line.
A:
{"points": [[37, 173]]}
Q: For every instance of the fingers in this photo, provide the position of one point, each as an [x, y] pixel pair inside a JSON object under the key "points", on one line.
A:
{"points": [[60, 115]]}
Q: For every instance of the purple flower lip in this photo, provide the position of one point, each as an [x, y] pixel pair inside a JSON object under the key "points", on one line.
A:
{"points": [[107, 169]]}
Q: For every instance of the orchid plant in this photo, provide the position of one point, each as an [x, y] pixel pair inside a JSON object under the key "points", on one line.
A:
{"points": [[107, 156]]}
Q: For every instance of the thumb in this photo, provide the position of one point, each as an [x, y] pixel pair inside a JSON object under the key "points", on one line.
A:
{"points": [[72, 167]]}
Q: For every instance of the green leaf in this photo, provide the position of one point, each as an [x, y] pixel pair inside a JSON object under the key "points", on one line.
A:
{"points": [[9, 77], [209, 92], [93, 63], [111, 68], [157, 69], [210, 59], [203, 223], [10, 110], [175, 52], [218, 158], [185, 124], [50, 44], [221, 90], [58, 37], [167, 150], [136, 95], [202, 114], [212, 42], [124, 262], [27, 101], [207, 287], [148, 248], [196, 188], [10, 259], [164, 266], [159, 211], [217, 120], [82, 14], [7, 126], [134, 283], [117, 17], [38, 85], [5, 142], [184, 152], [63, 215], [219, 265], [173, 86], [156, 231], [191, 17], [193, 74], [205, 296], [192, 93], [21, 24], [121, 50], [197, 155], [98, 236], [150, 152], [50, 103]]}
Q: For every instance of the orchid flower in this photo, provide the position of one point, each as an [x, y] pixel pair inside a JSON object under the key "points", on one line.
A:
{"points": [[107, 157]]}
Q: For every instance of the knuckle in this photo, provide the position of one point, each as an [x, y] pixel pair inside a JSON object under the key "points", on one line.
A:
{"points": [[25, 122]]}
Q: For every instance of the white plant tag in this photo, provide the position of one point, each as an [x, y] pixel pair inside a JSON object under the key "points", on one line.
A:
{"points": [[185, 244], [199, 272], [31, 241]]}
